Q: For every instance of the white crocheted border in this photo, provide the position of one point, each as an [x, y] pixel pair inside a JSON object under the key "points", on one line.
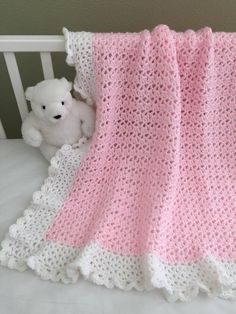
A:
{"points": [[80, 55], [178, 282], [25, 237], [25, 247], [182, 282]]}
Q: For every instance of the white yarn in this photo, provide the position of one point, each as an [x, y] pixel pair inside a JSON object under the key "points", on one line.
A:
{"points": [[79, 55]]}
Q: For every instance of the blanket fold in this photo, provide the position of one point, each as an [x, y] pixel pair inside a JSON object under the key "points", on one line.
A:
{"points": [[152, 204]]}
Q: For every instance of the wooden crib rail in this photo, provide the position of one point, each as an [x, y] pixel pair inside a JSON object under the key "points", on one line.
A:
{"points": [[36, 43], [43, 44]]}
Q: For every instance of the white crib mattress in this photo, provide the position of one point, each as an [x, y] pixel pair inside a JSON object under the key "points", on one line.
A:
{"points": [[22, 171]]}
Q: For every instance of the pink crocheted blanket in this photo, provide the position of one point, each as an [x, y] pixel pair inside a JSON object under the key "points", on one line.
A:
{"points": [[152, 204]]}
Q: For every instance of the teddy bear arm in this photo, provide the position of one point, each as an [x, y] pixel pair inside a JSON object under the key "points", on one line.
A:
{"points": [[87, 116], [30, 131], [48, 150]]}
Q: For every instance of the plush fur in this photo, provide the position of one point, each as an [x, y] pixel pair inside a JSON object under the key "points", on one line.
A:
{"points": [[56, 118]]}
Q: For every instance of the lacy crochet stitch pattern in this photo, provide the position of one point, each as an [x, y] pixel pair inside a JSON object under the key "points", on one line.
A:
{"points": [[152, 204]]}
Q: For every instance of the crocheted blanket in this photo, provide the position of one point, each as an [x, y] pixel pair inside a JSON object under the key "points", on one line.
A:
{"points": [[151, 202]]}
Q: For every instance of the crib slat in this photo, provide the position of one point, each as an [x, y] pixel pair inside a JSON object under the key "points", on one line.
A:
{"points": [[2, 132], [17, 86], [47, 66]]}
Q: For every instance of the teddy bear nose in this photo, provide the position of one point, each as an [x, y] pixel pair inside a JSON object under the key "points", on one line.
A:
{"points": [[57, 117]]}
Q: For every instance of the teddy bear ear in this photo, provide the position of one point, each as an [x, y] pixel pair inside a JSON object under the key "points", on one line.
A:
{"points": [[67, 84], [29, 93]]}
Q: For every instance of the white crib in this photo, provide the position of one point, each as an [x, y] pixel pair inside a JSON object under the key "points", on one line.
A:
{"points": [[22, 171], [44, 45]]}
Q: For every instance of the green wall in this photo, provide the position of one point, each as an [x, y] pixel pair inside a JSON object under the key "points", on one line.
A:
{"points": [[37, 17]]}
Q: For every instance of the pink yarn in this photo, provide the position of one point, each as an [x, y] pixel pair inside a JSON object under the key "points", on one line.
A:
{"points": [[160, 175]]}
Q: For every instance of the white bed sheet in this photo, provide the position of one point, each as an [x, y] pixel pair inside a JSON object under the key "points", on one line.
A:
{"points": [[22, 171]]}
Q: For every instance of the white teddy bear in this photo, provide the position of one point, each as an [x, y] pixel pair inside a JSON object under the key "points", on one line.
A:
{"points": [[56, 118]]}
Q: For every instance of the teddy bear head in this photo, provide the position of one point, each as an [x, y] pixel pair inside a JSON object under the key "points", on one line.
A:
{"points": [[50, 100]]}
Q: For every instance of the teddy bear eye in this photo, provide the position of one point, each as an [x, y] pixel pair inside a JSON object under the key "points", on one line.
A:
{"points": [[62, 102], [44, 107]]}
